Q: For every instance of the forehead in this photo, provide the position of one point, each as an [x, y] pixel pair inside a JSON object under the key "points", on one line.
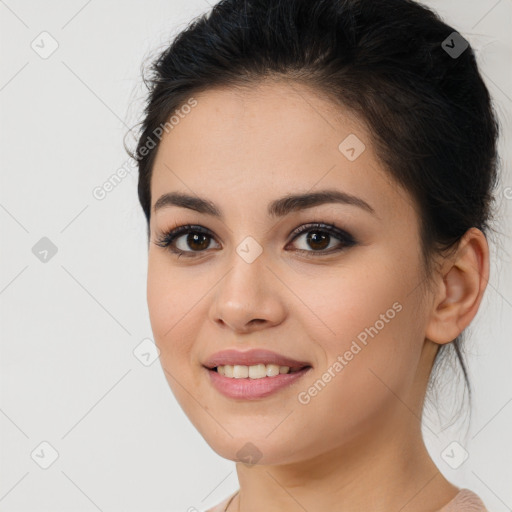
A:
{"points": [[245, 146], [270, 121]]}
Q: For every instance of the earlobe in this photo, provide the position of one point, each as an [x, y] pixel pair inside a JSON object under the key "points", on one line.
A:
{"points": [[464, 280]]}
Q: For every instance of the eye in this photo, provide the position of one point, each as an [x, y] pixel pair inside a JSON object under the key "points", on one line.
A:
{"points": [[196, 237], [319, 237]]}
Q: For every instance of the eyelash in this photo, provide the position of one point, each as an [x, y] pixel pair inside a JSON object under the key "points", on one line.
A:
{"points": [[347, 240]]}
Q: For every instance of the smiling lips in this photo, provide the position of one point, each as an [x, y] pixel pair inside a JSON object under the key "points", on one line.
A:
{"points": [[252, 374]]}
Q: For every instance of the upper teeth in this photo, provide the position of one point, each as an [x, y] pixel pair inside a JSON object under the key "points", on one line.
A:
{"points": [[257, 371]]}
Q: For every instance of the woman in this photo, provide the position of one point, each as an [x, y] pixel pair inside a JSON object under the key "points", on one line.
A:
{"points": [[317, 178]]}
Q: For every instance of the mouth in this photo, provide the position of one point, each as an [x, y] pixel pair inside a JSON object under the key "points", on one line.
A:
{"points": [[253, 374], [253, 364]]}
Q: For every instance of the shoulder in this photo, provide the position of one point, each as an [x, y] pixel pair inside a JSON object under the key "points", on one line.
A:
{"points": [[220, 507], [465, 501]]}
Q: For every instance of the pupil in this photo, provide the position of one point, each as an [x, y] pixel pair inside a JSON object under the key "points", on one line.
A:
{"points": [[192, 238], [314, 238]]}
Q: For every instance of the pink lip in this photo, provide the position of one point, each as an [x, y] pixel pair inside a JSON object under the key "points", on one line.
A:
{"points": [[252, 389], [251, 357]]}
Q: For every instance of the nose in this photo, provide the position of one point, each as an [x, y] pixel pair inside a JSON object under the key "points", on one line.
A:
{"points": [[249, 298]]}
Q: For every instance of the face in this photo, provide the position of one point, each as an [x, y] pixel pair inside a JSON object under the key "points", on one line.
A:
{"points": [[344, 297]]}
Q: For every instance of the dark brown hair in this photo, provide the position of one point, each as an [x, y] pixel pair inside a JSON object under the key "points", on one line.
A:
{"points": [[429, 112]]}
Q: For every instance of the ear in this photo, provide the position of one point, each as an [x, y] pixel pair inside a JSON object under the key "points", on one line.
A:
{"points": [[461, 287]]}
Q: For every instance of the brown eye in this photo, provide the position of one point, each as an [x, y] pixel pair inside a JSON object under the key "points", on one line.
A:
{"points": [[318, 237], [197, 241], [186, 240]]}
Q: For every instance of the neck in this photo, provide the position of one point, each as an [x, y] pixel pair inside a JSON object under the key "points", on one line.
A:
{"points": [[382, 471]]}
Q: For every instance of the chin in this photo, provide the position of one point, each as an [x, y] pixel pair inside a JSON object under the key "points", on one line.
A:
{"points": [[257, 449]]}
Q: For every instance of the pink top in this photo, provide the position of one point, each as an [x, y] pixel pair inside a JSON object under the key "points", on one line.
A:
{"points": [[464, 501]]}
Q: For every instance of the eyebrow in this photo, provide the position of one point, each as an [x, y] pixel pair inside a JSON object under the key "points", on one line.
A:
{"points": [[277, 208]]}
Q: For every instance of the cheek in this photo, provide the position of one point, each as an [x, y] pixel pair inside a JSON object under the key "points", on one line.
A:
{"points": [[170, 308], [370, 362], [168, 294], [372, 331], [171, 311]]}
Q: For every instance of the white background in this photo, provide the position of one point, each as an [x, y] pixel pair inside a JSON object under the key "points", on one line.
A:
{"points": [[69, 326]]}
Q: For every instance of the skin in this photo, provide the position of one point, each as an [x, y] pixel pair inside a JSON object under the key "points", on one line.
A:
{"points": [[357, 445]]}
